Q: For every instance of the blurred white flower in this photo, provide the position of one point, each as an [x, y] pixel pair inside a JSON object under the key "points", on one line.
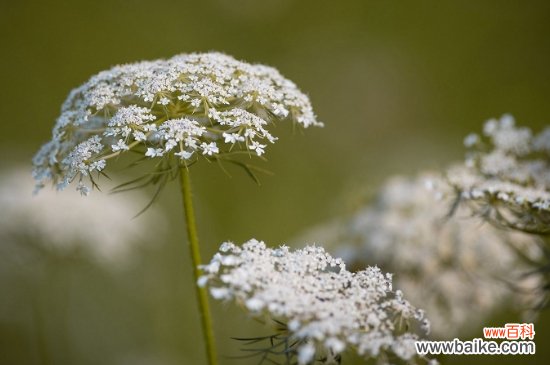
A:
{"points": [[165, 108], [326, 308], [458, 268], [506, 176], [101, 226]]}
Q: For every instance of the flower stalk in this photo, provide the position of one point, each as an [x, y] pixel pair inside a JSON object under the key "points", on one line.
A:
{"points": [[204, 309]]}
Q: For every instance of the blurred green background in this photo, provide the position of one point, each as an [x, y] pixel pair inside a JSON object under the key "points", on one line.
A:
{"points": [[398, 85]]}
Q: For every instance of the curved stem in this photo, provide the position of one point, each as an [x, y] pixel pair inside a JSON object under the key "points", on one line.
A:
{"points": [[206, 318]]}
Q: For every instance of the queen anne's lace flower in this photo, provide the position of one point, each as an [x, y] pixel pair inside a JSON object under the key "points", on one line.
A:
{"points": [[506, 176], [101, 227], [447, 265], [327, 309], [188, 106]]}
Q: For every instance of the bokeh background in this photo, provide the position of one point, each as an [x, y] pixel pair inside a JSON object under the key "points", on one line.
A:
{"points": [[398, 84]]}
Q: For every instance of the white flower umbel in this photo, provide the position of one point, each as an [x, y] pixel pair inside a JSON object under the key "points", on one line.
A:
{"points": [[101, 226], [175, 112], [506, 176], [178, 110], [326, 308], [458, 268]]}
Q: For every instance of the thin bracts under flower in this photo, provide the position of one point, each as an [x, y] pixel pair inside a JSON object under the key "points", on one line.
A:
{"points": [[178, 110], [326, 308]]}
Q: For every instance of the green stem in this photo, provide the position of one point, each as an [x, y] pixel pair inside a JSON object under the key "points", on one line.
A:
{"points": [[202, 297]]}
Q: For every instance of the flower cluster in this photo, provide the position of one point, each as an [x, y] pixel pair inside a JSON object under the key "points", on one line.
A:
{"points": [[506, 176], [445, 264], [188, 106], [326, 308], [101, 227]]}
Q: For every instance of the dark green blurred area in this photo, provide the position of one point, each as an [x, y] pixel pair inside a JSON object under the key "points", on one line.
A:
{"points": [[398, 85]]}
